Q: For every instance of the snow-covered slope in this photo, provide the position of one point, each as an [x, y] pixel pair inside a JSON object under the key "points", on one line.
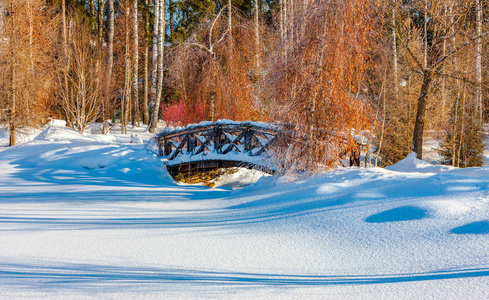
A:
{"points": [[99, 217]]}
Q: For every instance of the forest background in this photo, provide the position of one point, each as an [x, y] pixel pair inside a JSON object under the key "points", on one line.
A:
{"points": [[397, 71]]}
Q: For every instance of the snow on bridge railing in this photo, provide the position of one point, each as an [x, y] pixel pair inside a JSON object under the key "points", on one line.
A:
{"points": [[213, 144]]}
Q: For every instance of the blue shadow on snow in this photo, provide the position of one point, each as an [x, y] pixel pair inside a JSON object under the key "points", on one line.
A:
{"points": [[480, 227], [85, 275], [405, 213]]}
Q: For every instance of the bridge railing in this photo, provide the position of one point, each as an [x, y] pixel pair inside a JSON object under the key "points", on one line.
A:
{"points": [[246, 138]]}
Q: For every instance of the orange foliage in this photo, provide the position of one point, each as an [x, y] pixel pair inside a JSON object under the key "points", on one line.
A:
{"points": [[315, 85], [29, 47], [212, 70]]}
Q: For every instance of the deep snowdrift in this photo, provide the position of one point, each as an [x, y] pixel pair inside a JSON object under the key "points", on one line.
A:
{"points": [[99, 217]]}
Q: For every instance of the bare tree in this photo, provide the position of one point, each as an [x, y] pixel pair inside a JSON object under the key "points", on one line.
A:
{"points": [[25, 79], [215, 77], [439, 28], [82, 101], [316, 91]]}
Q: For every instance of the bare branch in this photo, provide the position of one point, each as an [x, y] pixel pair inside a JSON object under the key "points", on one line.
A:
{"points": [[460, 47]]}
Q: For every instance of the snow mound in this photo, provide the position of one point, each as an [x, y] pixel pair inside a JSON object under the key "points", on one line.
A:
{"points": [[56, 123], [411, 164], [136, 140], [242, 178], [60, 134]]}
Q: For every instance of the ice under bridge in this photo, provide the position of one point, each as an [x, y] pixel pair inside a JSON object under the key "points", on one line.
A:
{"points": [[221, 144]]}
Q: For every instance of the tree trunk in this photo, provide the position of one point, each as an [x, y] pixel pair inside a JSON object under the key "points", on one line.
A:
{"points": [[109, 62], [170, 10], [13, 113], [135, 72], [161, 55], [230, 29], [31, 32], [281, 20], [93, 15], [127, 72], [291, 13], [230, 23], [110, 48], [153, 109], [420, 115], [65, 58], [425, 35], [257, 35], [146, 62], [100, 24], [478, 63], [394, 53]]}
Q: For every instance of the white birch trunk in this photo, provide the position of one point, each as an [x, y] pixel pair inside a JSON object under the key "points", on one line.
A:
{"points": [[127, 78], [230, 21], [146, 62], [135, 72], [159, 63], [154, 71]]}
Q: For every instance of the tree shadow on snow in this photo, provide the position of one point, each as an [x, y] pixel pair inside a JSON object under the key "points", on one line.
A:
{"points": [[80, 276]]}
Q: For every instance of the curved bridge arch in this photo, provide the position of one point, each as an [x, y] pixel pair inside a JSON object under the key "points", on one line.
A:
{"points": [[218, 144]]}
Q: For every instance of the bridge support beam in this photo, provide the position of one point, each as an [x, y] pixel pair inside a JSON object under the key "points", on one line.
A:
{"points": [[207, 165]]}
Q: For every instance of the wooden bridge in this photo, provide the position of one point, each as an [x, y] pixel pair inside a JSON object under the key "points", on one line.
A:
{"points": [[217, 145], [221, 144]]}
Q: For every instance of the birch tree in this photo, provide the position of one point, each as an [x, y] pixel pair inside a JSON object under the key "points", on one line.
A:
{"points": [[158, 63], [126, 98], [135, 71]]}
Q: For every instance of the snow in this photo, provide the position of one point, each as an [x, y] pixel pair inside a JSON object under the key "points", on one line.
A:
{"points": [[242, 178], [56, 123], [98, 217], [171, 129], [412, 164]]}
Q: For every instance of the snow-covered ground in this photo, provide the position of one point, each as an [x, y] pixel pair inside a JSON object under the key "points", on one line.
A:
{"points": [[96, 216]]}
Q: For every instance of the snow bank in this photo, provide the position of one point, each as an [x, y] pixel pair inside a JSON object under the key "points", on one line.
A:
{"points": [[56, 123], [411, 164], [242, 178], [60, 134], [81, 218]]}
